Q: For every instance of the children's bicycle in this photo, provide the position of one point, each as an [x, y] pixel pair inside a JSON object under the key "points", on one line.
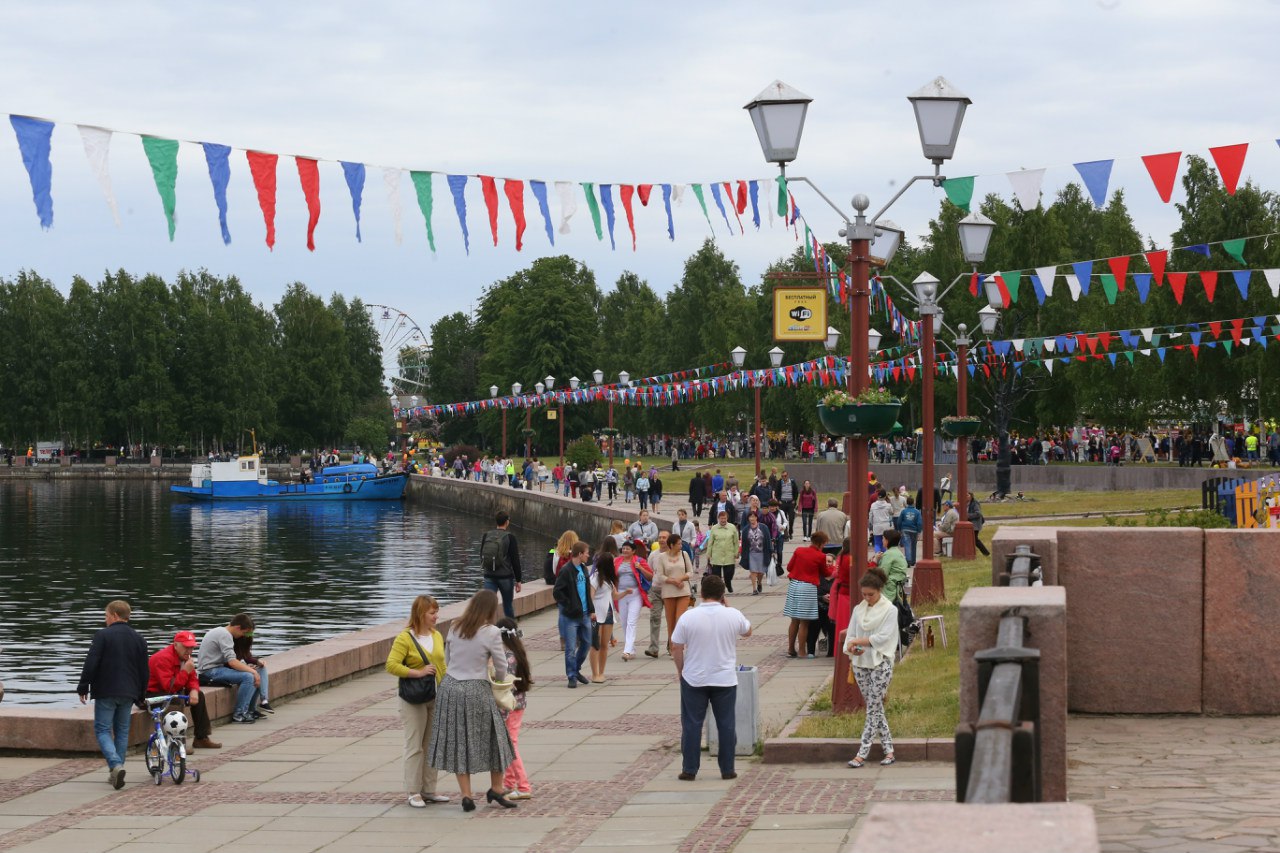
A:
{"points": [[166, 753]]}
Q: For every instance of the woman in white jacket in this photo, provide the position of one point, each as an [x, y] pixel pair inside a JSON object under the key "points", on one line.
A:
{"points": [[872, 644], [880, 520]]}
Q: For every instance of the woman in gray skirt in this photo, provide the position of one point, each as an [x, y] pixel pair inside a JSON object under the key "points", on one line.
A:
{"points": [[469, 734]]}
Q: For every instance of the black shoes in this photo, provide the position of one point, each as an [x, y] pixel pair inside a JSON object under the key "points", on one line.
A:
{"points": [[651, 653], [582, 679], [729, 775], [573, 684], [468, 804], [494, 797], [246, 717], [266, 708], [687, 777]]}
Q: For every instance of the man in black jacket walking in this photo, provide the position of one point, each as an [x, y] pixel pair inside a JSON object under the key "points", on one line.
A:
{"points": [[572, 593], [115, 673]]}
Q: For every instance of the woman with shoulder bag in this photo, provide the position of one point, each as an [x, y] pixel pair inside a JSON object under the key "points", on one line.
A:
{"points": [[417, 659], [673, 569], [974, 513], [634, 575]]}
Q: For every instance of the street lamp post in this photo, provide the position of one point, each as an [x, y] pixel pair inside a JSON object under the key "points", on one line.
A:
{"points": [[778, 114], [739, 356], [515, 392], [493, 393]]}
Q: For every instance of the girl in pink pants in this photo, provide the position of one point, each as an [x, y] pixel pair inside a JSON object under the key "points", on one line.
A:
{"points": [[514, 780]]}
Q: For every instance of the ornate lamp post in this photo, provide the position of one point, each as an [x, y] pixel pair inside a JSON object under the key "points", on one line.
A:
{"points": [[493, 393], [515, 392], [739, 356], [778, 114]]}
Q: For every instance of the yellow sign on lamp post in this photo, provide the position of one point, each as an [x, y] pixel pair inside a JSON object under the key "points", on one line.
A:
{"points": [[800, 314]]}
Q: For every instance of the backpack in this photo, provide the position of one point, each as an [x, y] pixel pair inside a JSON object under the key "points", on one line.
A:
{"points": [[493, 554]]}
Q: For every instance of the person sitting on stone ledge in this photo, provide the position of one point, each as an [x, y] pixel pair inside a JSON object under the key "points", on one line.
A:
{"points": [[217, 664], [173, 670]]}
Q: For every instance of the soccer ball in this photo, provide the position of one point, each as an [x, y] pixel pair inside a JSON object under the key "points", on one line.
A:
{"points": [[175, 724]]}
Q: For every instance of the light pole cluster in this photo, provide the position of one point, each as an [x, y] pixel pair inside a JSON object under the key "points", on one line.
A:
{"points": [[739, 356]]}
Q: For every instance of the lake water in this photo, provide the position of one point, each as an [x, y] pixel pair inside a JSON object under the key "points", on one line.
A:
{"points": [[304, 571]]}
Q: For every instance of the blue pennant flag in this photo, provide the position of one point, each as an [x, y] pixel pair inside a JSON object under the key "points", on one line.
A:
{"points": [[973, 368], [540, 193], [753, 189], [1039, 288], [1195, 338], [715, 194], [1142, 281], [1160, 352], [1199, 249], [1112, 356], [666, 203], [458, 186], [33, 141], [606, 200], [1002, 347], [1084, 274], [1259, 337], [1096, 175], [1129, 340], [354, 173], [219, 175], [1242, 282], [1066, 344]]}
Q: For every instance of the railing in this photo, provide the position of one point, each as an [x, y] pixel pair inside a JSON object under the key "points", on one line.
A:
{"points": [[998, 758]]}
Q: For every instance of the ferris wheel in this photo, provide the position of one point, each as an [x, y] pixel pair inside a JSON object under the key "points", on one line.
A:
{"points": [[404, 349]]}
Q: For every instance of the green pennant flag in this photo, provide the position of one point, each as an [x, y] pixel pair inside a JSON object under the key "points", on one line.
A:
{"points": [[163, 156], [422, 186], [1234, 248], [1227, 345], [1011, 281], [594, 207], [1156, 338], [1129, 355], [782, 196], [808, 245], [702, 202], [1110, 287], [959, 191]]}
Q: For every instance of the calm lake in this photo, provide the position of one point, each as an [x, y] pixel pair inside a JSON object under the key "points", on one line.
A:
{"points": [[304, 571]]}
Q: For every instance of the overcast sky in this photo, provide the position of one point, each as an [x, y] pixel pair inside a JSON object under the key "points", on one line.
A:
{"points": [[612, 93]]}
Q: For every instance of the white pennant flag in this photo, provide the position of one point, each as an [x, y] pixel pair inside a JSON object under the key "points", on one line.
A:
{"points": [[1046, 276], [568, 204], [1048, 364], [1147, 332], [97, 143], [391, 180], [1073, 285], [677, 193], [1018, 343], [1145, 351], [1273, 281], [1026, 186], [1050, 344]]}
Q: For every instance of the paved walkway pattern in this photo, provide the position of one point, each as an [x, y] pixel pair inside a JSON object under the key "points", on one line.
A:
{"points": [[324, 774]]}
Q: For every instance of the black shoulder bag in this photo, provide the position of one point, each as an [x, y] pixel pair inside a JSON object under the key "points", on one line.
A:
{"points": [[418, 691]]}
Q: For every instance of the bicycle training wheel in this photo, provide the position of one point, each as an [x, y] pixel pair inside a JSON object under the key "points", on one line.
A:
{"points": [[154, 759], [177, 764]]}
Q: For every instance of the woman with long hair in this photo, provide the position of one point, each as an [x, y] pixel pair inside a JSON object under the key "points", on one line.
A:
{"points": [[841, 584], [604, 596], [871, 644], [633, 572], [515, 780], [470, 735], [804, 572], [808, 503], [673, 569], [418, 652]]}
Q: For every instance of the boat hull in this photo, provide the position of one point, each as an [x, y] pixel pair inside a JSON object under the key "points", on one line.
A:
{"points": [[389, 487]]}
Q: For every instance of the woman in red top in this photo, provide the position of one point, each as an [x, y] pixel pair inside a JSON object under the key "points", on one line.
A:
{"points": [[805, 570], [838, 608]]}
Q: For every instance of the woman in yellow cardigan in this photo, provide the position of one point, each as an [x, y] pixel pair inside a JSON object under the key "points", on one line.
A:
{"points": [[406, 660]]}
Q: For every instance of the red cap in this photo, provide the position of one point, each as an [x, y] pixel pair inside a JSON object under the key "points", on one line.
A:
{"points": [[187, 638]]}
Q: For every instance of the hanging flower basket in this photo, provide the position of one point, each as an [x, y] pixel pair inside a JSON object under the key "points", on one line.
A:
{"points": [[859, 420], [526, 432], [957, 427], [609, 432]]}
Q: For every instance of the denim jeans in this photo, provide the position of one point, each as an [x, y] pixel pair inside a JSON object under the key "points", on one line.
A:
{"points": [[111, 727], [909, 547], [242, 681], [693, 713], [577, 642], [506, 588]]}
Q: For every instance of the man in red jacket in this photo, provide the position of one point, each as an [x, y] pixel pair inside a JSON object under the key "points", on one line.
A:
{"points": [[174, 671]]}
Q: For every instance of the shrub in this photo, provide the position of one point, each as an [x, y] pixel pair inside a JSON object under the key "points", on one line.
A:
{"points": [[470, 451], [583, 452], [369, 434]]}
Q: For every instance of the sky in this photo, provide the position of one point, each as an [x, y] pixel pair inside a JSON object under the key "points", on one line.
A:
{"points": [[585, 91]]}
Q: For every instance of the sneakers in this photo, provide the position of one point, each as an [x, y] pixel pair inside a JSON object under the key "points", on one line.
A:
{"points": [[434, 798], [582, 679], [573, 684], [416, 802], [266, 707], [653, 653], [246, 718], [115, 776], [520, 795]]}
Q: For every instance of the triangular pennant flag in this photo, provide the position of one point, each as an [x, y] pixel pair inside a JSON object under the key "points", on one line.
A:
{"points": [[702, 202], [1235, 248], [606, 201], [540, 193], [715, 195], [391, 183], [1096, 175], [1230, 162], [1210, 281], [489, 190], [1112, 358], [162, 154], [755, 203], [1048, 365], [1242, 281], [1198, 248], [1146, 333], [1073, 286], [1026, 186], [97, 145], [1109, 287], [1084, 274], [1157, 262], [1142, 281], [458, 187], [1163, 169], [354, 173], [593, 207], [974, 280], [34, 140], [514, 191], [1273, 281], [1160, 352], [666, 204], [262, 167], [644, 191], [782, 195], [1119, 269], [1177, 283], [627, 191], [422, 189], [959, 191], [568, 204], [1012, 280], [1128, 354], [1047, 276], [1039, 288], [216, 156]]}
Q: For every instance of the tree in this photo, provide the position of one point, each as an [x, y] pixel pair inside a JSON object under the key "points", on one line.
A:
{"points": [[311, 366], [452, 372]]}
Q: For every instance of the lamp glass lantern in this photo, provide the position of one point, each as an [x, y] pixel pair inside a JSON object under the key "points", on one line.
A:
{"points": [[598, 376], [515, 389], [926, 288], [775, 356], [992, 290], [493, 390], [885, 244], [833, 339], [988, 317], [739, 356], [975, 236], [395, 401], [939, 109], [413, 402], [778, 115], [937, 322], [624, 378], [550, 382], [574, 382], [873, 341], [539, 387]]}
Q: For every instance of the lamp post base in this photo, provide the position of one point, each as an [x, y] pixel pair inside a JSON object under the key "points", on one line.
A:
{"points": [[926, 583], [962, 547], [845, 697]]}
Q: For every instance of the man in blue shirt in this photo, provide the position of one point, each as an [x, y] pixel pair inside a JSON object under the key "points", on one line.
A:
{"points": [[910, 523], [573, 597]]}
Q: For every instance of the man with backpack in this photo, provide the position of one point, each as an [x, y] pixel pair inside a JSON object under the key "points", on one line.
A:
{"points": [[500, 562]]}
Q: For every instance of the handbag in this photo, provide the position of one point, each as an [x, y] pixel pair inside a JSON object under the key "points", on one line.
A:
{"points": [[908, 627], [503, 691], [418, 691]]}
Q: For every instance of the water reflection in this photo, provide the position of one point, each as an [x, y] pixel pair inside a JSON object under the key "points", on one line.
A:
{"points": [[305, 570]]}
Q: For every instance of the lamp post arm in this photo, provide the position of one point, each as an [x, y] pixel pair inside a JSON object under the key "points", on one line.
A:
{"points": [[957, 280], [844, 216], [906, 290], [936, 180]]}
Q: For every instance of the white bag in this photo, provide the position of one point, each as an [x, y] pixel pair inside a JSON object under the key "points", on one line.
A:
{"points": [[770, 576]]}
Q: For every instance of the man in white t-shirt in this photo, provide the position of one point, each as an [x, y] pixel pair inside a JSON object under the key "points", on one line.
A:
{"points": [[704, 646]]}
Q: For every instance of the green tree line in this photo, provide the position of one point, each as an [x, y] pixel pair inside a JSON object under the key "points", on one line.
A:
{"points": [[194, 363]]}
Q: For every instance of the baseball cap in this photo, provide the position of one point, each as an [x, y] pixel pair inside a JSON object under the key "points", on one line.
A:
{"points": [[187, 638]]}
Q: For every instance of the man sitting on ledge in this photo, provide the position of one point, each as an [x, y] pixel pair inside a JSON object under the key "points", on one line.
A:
{"points": [[217, 664], [173, 671]]}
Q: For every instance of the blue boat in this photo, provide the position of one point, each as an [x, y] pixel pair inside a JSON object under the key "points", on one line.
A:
{"points": [[245, 479]]}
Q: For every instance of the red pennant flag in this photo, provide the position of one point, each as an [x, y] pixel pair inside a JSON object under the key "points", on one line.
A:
{"points": [[1157, 261], [728, 191], [911, 373], [1104, 339], [1119, 269], [973, 284], [263, 168], [309, 175], [1177, 283], [1215, 329], [491, 202], [1210, 282], [1163, 169], [1092, 342], [645, 189], [627, 191], [1230, 162], [515, 198], [742, 197], [1005, 298], [1195, 351], [1237, 330]]}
